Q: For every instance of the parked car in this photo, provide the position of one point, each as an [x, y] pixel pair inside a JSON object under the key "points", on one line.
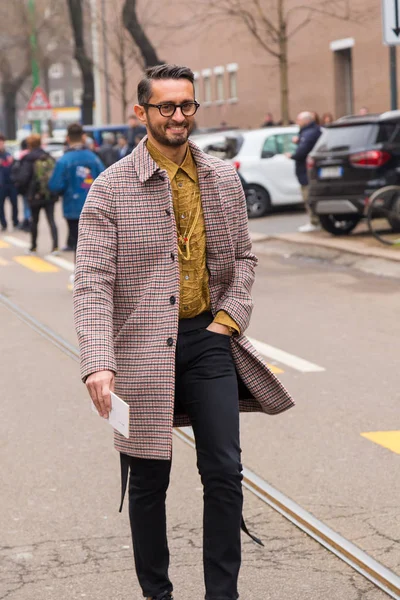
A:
{"points": [[55, 146], [353, 156], [259, 156]]}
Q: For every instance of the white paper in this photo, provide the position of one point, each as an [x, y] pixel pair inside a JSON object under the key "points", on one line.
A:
{"points": [[119, 415]]}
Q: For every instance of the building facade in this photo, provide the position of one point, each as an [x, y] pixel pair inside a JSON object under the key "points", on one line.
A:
{"points": [[335, 65]]}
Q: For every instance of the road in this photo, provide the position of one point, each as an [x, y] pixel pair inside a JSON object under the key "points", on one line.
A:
{"points": [[62, 536]]}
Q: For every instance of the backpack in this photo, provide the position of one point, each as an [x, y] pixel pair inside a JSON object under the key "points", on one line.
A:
{"points": [[43, 168], [19, 177]]}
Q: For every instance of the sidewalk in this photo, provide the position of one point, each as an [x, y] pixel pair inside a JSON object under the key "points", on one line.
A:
{"points": [[358, 250]]}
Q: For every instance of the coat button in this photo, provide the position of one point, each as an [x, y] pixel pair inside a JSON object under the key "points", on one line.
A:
{"points": [[170, 342], [168, 212], [172, 300], [172, 256]]}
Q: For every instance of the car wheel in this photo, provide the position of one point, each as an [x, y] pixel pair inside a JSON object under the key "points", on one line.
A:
{"points": [[258, 201], [339, 225]]}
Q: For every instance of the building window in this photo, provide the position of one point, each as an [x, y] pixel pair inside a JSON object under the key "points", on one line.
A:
{"points": [[207, 90], [56, 71], [197, 94], [232, 69], [76, 72], [219, 84], [77, 97], [57, 98]]}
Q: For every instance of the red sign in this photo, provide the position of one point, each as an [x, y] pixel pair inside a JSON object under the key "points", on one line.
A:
{"points": [[39, 100]]}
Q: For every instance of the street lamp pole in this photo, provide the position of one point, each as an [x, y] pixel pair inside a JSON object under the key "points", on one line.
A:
{"points": [[35, 65]]}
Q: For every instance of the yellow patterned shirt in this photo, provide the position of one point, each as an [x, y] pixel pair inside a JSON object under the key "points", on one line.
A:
{"points": [[194, 290]]}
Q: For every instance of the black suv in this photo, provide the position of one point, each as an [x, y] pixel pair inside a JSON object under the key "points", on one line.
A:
{"points": [[353, 157]]}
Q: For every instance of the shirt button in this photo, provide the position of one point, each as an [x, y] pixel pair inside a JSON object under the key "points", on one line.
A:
{"points": [[180, 184], [183, 217], [168, 212], [170, 342], [172, 256], [185, 308], [186, 277], [172, 300]]}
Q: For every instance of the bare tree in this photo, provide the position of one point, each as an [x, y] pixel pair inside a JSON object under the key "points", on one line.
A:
{"points": [[76, 11], [143, 43], [125, 55], [274, 23]]}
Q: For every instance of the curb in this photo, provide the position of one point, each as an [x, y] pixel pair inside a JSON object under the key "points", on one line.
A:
{"points": [[376, 261]]}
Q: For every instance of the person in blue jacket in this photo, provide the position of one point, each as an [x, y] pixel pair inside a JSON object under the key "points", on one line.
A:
{"points": [[72, 179], [7, 188]]}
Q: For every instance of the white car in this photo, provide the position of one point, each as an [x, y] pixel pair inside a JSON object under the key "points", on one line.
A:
{"points": [[259, 156]]}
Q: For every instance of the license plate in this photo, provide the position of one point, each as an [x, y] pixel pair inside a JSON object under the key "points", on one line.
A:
{"points": [[330, 172]]}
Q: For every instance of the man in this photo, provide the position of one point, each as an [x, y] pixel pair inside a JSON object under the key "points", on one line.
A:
{"points": [[162, 297], [35, 171], [136, 131], [268, 120], [72, 178], [107, 151], [7, 188], [123, 147], [308, 135]]}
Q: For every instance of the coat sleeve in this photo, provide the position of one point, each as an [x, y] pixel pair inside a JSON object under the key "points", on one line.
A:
{"points": [[95, 273], [237, 302]]}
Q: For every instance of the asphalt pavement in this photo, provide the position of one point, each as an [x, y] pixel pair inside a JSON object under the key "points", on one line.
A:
{"points": [[61, 534]]}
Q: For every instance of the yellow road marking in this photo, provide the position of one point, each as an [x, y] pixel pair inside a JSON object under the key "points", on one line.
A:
{"points": [[34, 263], [4, 244], [275, 370], [3, 262], [387, 439]]}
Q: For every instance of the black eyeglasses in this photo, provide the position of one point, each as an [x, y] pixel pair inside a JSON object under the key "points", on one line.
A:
{"points": [[167, 109]]}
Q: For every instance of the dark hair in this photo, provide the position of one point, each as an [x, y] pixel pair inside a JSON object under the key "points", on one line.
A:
{"points": [[75, 132], [2, 137], [161, 72]]}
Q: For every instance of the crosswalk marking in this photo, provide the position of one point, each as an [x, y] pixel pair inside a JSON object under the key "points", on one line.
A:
{"points": [[3, 262], [4, 244], [36, 264], [67, 265], [387, 439], [285, 358], [274, 369], [16, 241]]}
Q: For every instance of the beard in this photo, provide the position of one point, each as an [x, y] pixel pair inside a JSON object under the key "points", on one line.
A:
{"points": [[163, 136]]}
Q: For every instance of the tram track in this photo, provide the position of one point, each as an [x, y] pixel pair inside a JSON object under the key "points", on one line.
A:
{"points": [[375, 572]]}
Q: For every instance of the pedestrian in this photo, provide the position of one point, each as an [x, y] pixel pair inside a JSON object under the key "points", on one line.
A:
{"points": [[363, 111], [308, 135], [107, 151], [327, 119], [123, 147], [136, 130], [15, 173], [34, 175], [72, 178], [7, 188], [162, 298], [268, 120]]}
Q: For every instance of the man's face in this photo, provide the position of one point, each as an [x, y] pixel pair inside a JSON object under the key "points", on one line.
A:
{"points": [[122, 142], [168, 131], [2, 145]]}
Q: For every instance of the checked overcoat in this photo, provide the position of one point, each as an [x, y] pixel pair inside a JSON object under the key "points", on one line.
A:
{"points": [[127, 270]]}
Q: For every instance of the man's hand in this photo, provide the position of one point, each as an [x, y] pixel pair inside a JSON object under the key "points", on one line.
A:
{"points": [[218, 328], [99, 386]]}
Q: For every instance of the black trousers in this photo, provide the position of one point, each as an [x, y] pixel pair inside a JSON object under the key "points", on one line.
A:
{"points": [[72, 240], [49, 210], [207, 388]]}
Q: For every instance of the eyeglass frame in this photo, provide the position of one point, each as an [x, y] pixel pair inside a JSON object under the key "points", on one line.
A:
{"points": [[148, 105]]}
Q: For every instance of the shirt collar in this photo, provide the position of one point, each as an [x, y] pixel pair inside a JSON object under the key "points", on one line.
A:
{"points": [[188, 165]]}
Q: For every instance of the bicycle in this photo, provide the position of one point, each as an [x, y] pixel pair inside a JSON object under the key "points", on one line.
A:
{"points": [[383, 215]]}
